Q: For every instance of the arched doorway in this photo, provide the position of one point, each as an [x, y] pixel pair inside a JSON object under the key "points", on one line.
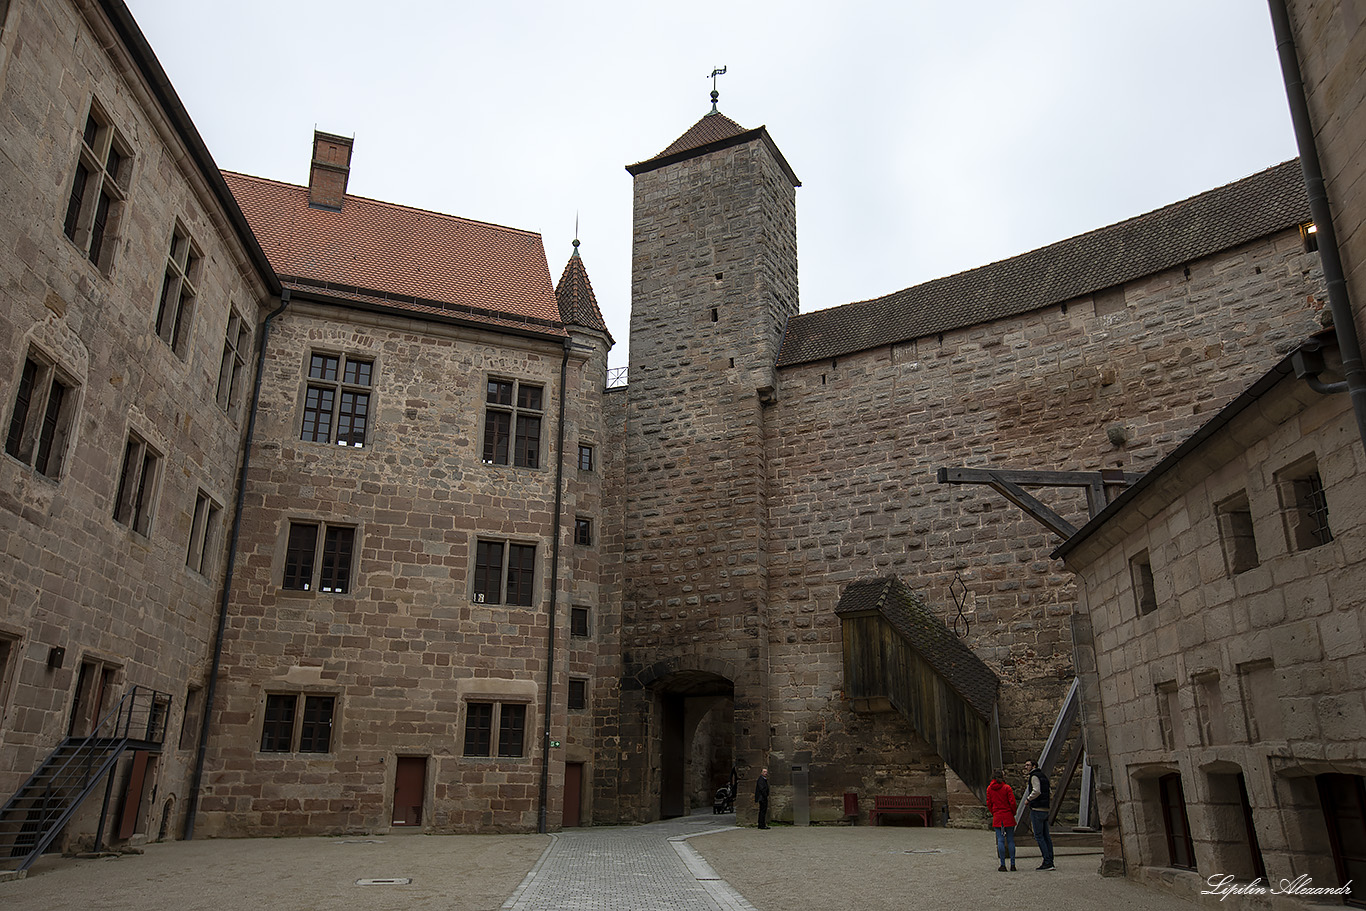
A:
{"points": [[696, 740]]}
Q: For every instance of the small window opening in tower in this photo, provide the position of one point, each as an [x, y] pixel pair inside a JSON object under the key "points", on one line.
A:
{"points": [[732, 362], [1309, 233], [718, 276], [714, 315]]}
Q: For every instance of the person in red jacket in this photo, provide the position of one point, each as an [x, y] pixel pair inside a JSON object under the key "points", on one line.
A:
{"points": [[1001, 803]]}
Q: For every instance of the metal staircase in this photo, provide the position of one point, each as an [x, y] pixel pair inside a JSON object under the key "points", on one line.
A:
{"points": [[32, 819]]}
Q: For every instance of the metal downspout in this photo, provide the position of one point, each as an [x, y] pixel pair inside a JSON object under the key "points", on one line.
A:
{"points": [[210, 689], [554, 590], [1341, 307]]}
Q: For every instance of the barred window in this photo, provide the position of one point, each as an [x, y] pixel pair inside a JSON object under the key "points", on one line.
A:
{"points": [[284, 729]]}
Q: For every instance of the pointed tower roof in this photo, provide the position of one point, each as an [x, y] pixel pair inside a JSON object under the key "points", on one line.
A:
{"points": [[578, 304], [712, 133]]}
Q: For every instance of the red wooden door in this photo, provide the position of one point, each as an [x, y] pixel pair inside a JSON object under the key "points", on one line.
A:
{"points": [[132, 798], [573, 788], [410, 784]]}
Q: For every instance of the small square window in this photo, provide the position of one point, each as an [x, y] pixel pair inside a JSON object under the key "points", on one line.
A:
{"points": [[583, 532], [1304, 505], [585, 457], [578, 695], [1236, 534], [578, 622], [1145, 593]]}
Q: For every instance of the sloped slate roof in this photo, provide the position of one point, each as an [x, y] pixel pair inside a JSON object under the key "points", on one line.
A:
{"points": [[413, 259], [1239, 212], [931, 639], [578, 303], [714, 132]]}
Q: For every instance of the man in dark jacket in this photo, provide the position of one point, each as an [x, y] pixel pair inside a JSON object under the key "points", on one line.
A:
{"points": [[761, 798], [1038, 798]]}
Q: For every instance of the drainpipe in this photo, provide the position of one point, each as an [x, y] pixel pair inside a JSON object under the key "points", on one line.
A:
{"points": [[554, 588], [1343, 322], [193, 810]]}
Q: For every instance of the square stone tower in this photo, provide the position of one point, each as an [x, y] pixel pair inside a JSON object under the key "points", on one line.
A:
{"points": [[714, 281]]}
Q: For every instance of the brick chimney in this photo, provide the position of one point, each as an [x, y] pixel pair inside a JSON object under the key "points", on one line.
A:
{"points": [[328, 173]]}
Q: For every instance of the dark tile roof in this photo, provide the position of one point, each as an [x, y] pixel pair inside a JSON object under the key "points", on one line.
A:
{"points": [[712, 133], [1239, 212], [380, 253], [578, 303], [932, 640]]}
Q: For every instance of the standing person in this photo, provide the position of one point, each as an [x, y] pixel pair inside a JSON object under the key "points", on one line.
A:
{"points": [[1038, 799], [1001, 803], [761, 797]]}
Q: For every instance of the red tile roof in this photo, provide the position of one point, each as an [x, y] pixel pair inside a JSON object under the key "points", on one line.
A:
{"points": [[378, 252], [578, 303]]}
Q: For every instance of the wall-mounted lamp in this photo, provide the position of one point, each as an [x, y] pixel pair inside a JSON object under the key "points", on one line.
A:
{"points": [[55, 656]]}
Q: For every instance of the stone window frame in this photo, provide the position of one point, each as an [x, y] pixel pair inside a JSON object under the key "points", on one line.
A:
{"points": [[11, 652], [205, 527], [334, 392], [1143, 583], [496, 727], [1304, 504], [525, 571], [192, 718], [298, 733], [577, 694], [1209, 707], [98, 189], [175, 309], [579, 630], [319, 557], [508, 412], [236, 347], [1172, 800], [136, 496], [1237, 534], [586, 456], [583, 531], [42, 417], [1169, 716]]}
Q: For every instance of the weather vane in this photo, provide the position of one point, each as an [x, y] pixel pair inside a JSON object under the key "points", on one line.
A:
{"points": [[719, 71]]}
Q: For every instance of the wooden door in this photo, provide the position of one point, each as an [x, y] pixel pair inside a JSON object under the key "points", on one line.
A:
{"points": [[92, 686], [133, 794], [573, 790], [410, 785]]}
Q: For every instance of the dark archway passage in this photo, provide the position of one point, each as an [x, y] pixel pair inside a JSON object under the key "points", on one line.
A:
{"points": [[696, 739]]}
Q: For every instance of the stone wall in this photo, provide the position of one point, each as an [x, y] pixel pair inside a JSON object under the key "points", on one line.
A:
{"points": [[118, 596], [853, 446], [1242, 671], [408, 648]]}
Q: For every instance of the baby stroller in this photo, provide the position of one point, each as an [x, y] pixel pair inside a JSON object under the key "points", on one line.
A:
{"points": [[725, 797]]}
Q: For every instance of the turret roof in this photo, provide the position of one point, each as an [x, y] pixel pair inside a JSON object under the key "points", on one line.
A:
{"points": [[578, 303]]}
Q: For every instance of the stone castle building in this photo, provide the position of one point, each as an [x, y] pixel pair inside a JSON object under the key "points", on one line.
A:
{"points": [[329, 499]]}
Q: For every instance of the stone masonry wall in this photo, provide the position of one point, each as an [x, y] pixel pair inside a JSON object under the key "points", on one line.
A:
{"points": [[407, 649], [72, 577], [853, 449], [1252, 673], [713, 279]]}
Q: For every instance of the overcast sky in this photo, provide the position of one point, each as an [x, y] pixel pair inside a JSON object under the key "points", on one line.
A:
{"points": [[929, 137]]}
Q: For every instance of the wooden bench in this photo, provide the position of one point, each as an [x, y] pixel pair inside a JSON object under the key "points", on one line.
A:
{"points": [[898, 805]]}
